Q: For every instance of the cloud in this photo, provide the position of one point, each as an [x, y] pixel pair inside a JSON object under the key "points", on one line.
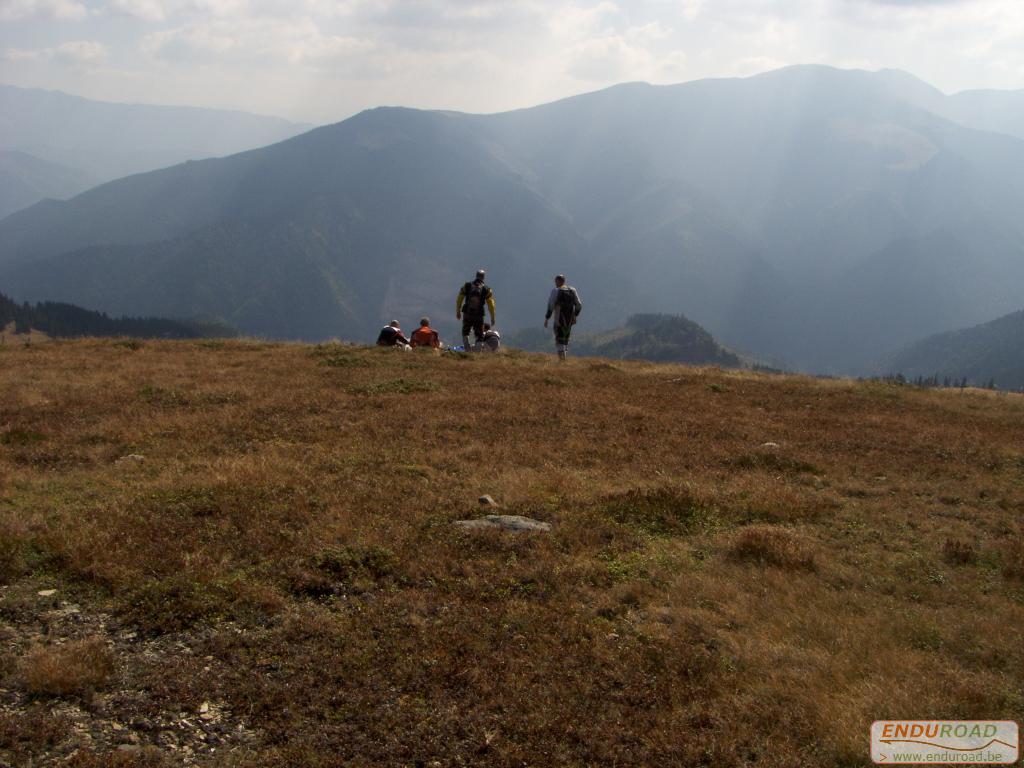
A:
{"points": [[61, 10], [71, 52], [148, 10], [261, 39], [912, 3]]}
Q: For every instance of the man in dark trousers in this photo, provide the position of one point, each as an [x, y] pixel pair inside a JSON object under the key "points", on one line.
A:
{"points": [[469, 307], [564, 303]]}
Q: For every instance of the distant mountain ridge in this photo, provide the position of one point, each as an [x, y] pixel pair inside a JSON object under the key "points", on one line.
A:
{"points": [[25, 180], [989, 352], [658, 338], [813, 218], [100, 141]]}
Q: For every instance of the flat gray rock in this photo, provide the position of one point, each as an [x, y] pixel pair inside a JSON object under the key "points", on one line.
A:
{"points": [[505, 523]]}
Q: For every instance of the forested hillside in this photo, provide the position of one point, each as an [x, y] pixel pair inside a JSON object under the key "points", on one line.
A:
{"points": [[67, 320]]}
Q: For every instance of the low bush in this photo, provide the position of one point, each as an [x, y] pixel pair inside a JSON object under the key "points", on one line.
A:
{"points": [[771, 545], [72, 669]]}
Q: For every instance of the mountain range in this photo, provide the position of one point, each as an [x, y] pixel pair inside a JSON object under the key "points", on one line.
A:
{"points": [[54, 145], [990, 352], [814, 218]]}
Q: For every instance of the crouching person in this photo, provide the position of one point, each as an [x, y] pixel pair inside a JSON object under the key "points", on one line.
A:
{"points": [[491, 340]]}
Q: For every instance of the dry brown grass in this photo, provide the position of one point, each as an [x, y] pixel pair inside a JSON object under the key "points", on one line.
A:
{"points": [[72, 669], [701, 600], [771, 545]]}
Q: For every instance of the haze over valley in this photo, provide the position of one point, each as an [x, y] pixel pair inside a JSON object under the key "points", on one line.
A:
{"points": [[810, 217]]}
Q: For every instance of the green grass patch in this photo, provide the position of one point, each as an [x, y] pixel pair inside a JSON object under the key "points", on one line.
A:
{"points": [[400, 386], [773, 462], [340, 356], [168, 398], [334, 570], [349, 562], [175, 603], [662, 512], [18, 436], [189, 501]]}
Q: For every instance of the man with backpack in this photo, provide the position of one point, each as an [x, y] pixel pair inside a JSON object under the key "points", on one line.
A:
{"points": [[391, 336], [469, 307], [564, 303]]}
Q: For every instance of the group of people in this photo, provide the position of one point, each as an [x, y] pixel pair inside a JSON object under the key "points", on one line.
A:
{"points": [[473, 301]]}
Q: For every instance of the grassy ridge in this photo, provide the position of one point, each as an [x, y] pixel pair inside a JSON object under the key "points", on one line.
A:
{"points": [[276, 566]]}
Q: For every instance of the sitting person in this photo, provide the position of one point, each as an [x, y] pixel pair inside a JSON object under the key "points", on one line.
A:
{"points": [[491, 340], [391, 336], [425, 336]]}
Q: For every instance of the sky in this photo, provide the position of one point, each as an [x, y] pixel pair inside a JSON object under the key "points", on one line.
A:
{"points": [[320, 61]]}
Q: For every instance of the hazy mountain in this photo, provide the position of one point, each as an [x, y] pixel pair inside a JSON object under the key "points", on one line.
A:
{"points": [[102, 141], [810, 217], [659, 338], [1001, 111], [991, 351], [25, 180], [988, 110], [325, 234]]}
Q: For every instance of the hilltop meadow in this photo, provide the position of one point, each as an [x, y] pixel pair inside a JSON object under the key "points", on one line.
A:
{"points": [[242, 554]]}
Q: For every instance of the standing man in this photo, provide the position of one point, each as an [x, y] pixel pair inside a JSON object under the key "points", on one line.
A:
{"points": [[469, 307], [565, 304]]}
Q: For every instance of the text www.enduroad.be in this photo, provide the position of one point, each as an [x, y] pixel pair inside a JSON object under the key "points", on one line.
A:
{"points": [[949, 757]]}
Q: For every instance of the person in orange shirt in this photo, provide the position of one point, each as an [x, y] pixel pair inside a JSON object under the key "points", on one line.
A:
{"points": [[425, 336]]}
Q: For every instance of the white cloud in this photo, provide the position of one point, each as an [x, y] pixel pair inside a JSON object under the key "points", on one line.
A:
{"points": [[62, 10], [71, 52], [606, 59], [148, 10], [294, 42], [486, 55]]}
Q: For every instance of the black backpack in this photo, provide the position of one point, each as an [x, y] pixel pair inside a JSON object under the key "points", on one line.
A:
{"points": [[476, 295], [566, 302]]}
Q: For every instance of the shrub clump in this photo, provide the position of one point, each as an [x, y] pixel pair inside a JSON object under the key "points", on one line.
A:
{"points": [[12, 547], [773, 462], [174, 604], [771, 545], [72, 669], [331, 570], [956, 552], [1013, 558], [662, 512]]}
